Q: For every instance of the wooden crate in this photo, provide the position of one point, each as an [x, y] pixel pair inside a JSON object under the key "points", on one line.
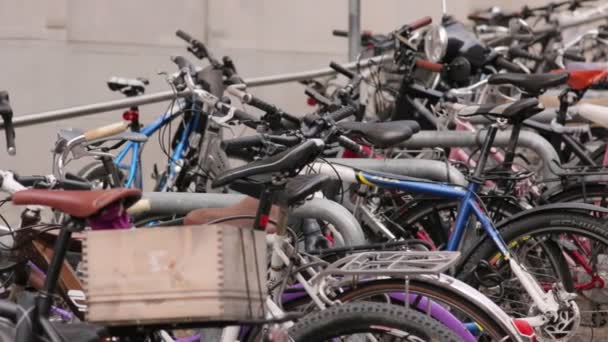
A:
{"points": [[174, 274]]}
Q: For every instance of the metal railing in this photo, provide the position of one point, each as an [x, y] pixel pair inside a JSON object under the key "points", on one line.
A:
{"points": [[95, 108]]}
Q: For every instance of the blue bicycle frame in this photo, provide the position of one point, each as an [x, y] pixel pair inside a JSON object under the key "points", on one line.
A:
{"points": [[468, 204], [134, 177]]}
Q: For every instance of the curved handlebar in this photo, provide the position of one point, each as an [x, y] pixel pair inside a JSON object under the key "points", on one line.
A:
{"points": [[422, 22], [342, 113], [428, 65]]}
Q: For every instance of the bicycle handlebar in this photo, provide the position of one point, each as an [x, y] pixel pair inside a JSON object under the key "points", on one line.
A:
{"points": [[7, 117], [231, 146], [428, 65], [503, 63], [573, 56], [342, 70], [237, 144], [197, 48], [421, 22], [342, 113], [50, 182], [518, 52]]}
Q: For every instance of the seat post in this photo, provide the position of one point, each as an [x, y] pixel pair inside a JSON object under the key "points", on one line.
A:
{"points": [[510, 152], [484, 153], [59, 251]]}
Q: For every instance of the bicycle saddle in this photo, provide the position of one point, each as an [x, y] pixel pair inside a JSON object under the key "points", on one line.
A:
{"points": [[288, 161], [517, 111], [531, 83], [129, 87], [77, 203], [296, 189], [382, 134]]}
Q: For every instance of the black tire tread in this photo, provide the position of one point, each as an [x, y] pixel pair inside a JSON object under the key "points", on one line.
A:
{"points": [[354, 315]]}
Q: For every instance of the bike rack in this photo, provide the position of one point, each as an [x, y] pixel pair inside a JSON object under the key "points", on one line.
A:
{"points": [[174, 203], [435, 170], [446, 139]]}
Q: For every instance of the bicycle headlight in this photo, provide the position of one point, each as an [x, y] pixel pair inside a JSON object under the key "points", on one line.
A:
{"points": [[435, 43]]}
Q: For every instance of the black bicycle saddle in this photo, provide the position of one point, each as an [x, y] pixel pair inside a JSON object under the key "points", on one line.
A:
{"points": [[382, 134], [531, 83], [517, 111], [288, 161]]}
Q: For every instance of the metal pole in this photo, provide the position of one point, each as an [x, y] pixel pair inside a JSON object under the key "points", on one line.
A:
{"points": [[354, 29], [59, 114]]}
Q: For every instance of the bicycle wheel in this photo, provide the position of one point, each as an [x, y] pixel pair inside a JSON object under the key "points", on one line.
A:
{"points": [[96, 174], [393, 291], [437, 217], [568, 248], [364, 321]]}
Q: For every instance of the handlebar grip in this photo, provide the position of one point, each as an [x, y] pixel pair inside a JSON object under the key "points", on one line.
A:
{"points": [[183, 64], [29, 181], [243, 116], [106, 131], [342, 113], [7, 117], [422, 22], [349, 144], [517, 52], [236, 144], [288, 141], [573, 56], [68, 184], [183, 35], [342, 70], [339, 33], [503, 63], [262, 105], [428, 65], [9, 131]]}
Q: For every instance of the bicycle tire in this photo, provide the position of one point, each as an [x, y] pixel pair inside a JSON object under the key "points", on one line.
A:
{"points": [[7, 330], [489, 325], [426, 214], [366, 317], [97, 172], [529, 229]]}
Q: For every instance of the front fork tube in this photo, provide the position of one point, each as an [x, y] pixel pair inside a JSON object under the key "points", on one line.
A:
{"points": [[544, 301]]}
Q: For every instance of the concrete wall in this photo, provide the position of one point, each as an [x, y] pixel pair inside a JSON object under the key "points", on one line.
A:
{"points": [[58, 53]]}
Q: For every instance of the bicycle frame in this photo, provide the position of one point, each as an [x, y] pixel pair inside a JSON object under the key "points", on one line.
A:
{"points": [[134, 166], [468, 205]]}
